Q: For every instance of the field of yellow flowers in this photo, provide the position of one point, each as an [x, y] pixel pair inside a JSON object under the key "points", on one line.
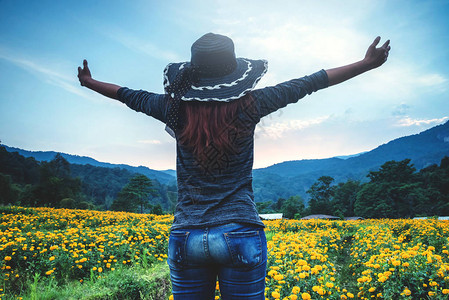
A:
{"points": [[315, 259]]}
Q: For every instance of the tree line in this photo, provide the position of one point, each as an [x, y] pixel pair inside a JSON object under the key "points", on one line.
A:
{"points": [[396, 190]]}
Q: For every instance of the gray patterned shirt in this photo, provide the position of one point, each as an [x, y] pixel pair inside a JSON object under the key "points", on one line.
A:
{"points": [[220, 191]]}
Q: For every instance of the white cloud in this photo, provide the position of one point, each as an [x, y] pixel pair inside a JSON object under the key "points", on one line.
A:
{"points": [[151, 142], [407, 121], [431, 79], [278, 129]]}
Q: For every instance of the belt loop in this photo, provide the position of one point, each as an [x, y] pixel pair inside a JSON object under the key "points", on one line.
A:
{"points": [[206, 243]]}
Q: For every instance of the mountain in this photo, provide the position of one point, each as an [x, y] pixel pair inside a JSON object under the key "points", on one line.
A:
{"points": [[290, 178], [164, 177]]}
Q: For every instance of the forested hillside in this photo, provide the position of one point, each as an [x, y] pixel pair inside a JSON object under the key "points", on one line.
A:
{"points": [[296, 177], [165, 177], [57, 183]]}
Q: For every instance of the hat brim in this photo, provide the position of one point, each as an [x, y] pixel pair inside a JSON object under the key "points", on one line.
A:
{"points": [[226, 88]]}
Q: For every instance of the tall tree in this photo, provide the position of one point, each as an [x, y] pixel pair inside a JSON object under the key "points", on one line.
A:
{"points": [[293, 207], [134, 195], [435, 189], [391, 192], [321, 193], [345, 196]]}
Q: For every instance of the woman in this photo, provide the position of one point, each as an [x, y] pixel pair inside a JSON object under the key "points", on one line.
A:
{"points": [[211, 108]]}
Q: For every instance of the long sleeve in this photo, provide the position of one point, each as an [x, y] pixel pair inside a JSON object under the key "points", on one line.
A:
{"points": [[154, 105], [272, 98]]}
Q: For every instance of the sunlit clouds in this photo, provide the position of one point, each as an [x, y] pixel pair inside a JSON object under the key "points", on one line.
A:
{"points": [[407, 121]]}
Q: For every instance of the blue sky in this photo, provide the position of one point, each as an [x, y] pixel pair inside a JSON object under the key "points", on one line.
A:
{"points": [[42, 106]]}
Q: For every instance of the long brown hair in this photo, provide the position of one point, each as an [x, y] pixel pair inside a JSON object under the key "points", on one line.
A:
{"points": [[213, 124]]}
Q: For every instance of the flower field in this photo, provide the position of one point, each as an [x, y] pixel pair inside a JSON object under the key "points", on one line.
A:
{"points": [[371, 259], [65, 244]]}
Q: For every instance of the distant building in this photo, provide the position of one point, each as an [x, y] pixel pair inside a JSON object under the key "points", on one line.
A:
{"points": [[354, 218], [270, 216], [324, 217]]}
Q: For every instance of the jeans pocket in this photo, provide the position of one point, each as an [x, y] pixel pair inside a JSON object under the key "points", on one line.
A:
{"points": [[177, 248], [245, 248]]}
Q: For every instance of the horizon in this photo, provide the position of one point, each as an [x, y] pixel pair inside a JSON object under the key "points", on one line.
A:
{"points": [[43, 107]]}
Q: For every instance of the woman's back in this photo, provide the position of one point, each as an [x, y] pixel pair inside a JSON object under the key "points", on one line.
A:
{"points": [[215, 183]]}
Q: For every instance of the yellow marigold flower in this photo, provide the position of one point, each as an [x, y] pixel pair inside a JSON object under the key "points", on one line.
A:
{"points": [[171, 297], [350, 295], [7, 258], [51, 258], [278, 277], [49, 272], [431, 294], [301, 262], [275, 295], [445, 291], [306, 296], [296, 289], [406, 292], [329, 285], [343, 297], [100, 269]]}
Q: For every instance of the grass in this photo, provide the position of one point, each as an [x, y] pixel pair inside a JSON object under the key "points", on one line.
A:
{"points": [[126, 283]]}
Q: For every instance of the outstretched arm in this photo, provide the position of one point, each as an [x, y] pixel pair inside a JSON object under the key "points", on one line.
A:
{"points": [[104, 88], [374, 57]]}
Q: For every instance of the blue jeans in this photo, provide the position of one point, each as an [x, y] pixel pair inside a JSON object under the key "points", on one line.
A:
{"points": [[235, 253]]}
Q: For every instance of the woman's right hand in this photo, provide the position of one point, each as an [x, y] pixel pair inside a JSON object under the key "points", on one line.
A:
{"points": [[84, 73]]}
